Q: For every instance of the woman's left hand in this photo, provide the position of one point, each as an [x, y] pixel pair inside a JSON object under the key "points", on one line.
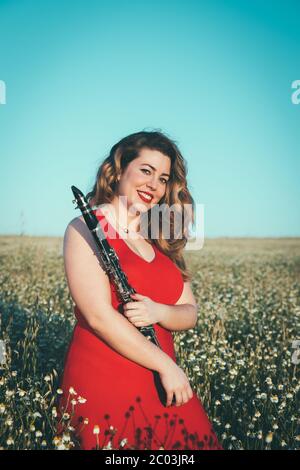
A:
{"points": [[144, 311]]}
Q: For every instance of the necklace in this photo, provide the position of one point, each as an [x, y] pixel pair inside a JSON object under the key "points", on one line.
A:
{"points": [[125, 229]]}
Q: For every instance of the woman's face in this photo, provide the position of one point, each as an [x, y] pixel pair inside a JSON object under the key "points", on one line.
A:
{"points": [[147, 174]]}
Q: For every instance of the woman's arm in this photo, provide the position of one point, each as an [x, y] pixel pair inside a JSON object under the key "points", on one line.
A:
{"points": [[182, 315], [90, 289]]}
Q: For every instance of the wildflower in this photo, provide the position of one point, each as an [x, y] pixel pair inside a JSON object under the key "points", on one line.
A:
{"points": [[259, 435], [2, 408], [275, 426], [269, 381], [257, 414], [54, 412], [59, 391], [21, 393], [269, 437], [72, 391], [9, 422], [289, 395], [280, 387], [36, 414], [263, 396], [14, 373], [297, 438], [274, 398], [86, 421], [217, 402], [61, 447], [81, 399], [38, 434], [9, 393], [226, 397], [32, 427], [66, 437], [47, 378], [56, 440], [66, 416], [283, 443], [96, 429], [123, 442], [44, 443], [74, 402], [10, 441], [227, 426]]}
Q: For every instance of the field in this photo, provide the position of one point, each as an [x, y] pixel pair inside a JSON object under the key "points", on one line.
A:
{"points": [[242, 357]]}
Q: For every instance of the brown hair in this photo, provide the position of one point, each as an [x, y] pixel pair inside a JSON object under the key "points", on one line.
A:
{"points": [[177, 193]]}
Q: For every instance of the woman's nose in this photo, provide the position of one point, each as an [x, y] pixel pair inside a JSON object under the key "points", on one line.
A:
{"points": [[152, 184]]}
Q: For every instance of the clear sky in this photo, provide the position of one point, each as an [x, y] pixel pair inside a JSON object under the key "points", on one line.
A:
{"points": [[214, 75]]}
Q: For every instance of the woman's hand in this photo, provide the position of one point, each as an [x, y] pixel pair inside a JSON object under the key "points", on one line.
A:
{"points": [[143, 311], [175, 381]]}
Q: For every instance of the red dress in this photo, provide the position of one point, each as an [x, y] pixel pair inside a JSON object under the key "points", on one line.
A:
{"points": [[121, 393]]}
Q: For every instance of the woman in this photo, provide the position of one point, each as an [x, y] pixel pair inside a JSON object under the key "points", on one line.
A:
{"points": [[109, 365]]}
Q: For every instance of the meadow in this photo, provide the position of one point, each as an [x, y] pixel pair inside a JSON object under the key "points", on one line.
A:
{"points": [[242, 357]]}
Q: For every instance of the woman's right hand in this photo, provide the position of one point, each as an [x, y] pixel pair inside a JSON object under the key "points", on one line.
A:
{"points": [[175, 381]]}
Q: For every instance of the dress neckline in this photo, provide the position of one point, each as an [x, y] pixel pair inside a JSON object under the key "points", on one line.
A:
{"points": [[122, 239]]}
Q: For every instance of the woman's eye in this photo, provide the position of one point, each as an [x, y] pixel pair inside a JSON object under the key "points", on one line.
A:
{"points": [[162, 179]]}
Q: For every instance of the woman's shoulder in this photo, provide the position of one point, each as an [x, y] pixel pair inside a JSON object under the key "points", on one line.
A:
{"points": [[77, 232], [76, 223]]}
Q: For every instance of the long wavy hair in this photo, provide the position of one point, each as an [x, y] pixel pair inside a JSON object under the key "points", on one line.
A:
{"points": [[177, 194]]}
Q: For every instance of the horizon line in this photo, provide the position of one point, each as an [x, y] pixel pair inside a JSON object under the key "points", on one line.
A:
{"points": [[191, 239]]}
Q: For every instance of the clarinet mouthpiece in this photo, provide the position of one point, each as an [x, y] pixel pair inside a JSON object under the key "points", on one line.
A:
{"points": [[76, 191], [78, 196]]}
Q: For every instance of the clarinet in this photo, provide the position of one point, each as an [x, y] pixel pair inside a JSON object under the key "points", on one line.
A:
{"points": [[109, 262]]}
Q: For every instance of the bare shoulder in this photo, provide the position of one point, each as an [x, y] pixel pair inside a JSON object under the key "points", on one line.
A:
{"points": [[78, 234], [88, 283], [76, 223]]}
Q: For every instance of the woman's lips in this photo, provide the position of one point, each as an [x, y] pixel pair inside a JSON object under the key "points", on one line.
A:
{"points": [[144, 197]]}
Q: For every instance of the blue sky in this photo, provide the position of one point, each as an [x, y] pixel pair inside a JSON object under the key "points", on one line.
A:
{"points": [[214, 75]]}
